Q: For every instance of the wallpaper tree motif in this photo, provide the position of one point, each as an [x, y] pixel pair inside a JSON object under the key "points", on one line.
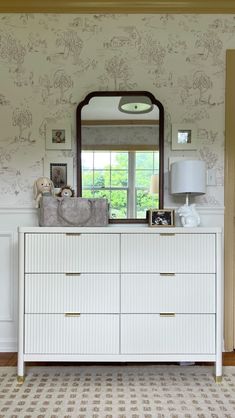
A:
{"points": [[50, 62]]}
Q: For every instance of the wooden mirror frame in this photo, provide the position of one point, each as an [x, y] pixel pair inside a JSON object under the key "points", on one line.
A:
{"points": [[161, 142]]}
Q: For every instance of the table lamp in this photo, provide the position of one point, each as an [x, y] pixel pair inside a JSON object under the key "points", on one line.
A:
{"points": [[188, 177], [154, 184]]}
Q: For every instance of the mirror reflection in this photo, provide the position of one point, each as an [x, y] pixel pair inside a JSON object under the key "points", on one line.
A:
{"points": [[120, 154]]}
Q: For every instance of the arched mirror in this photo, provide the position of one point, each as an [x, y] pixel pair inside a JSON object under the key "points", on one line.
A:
{"points": [[120, 152]]}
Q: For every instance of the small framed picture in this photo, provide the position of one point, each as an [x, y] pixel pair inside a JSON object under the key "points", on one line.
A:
{"points": [[58, 136], [161, 217], [183, 137], [59, 170]]}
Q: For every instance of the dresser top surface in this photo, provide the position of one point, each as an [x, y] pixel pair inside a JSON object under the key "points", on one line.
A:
{"points": [[127, 229]]}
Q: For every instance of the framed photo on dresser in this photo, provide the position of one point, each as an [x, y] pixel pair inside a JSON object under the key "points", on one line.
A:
{"points": [[161, 217]]}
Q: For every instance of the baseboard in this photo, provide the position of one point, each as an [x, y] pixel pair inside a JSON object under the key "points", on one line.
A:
{"points": [[8, 345]]}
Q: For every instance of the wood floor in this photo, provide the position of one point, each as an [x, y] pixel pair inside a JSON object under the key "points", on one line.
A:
{"points": [[10, 359]]}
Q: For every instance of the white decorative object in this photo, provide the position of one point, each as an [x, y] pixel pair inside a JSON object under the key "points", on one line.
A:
{"points": [[120, 294], [189, 216], [188, 177], [43, 186]]}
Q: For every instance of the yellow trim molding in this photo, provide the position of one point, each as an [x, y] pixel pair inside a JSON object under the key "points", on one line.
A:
{"points": [[229, 201], [118, 6]]}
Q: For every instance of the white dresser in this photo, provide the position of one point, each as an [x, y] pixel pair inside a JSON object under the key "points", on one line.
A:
{"points": [[120, 293]]}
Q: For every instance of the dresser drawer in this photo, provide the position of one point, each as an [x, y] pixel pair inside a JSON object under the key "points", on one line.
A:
{"points": [[58, 334], [181, 334], [84, 293], [155, 293], [165, 252], [72, 253]]}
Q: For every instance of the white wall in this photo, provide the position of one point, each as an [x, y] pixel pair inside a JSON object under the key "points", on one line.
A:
{"points": [[50, 62]]}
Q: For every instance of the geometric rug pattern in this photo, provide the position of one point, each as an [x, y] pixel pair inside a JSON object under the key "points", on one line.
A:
{"points": [[119, 391]]}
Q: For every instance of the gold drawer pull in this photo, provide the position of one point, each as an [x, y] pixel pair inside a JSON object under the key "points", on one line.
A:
{"points": [[167, 274], [67, 314], [72, 274], [73, 234], [165, 234], [167, 314]]}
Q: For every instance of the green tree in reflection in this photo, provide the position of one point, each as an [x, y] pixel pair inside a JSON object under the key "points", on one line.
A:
{"points": [[117, 178]]}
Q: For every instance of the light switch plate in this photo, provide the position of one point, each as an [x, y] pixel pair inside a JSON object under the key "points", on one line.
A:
{"points": [[211, 177]]}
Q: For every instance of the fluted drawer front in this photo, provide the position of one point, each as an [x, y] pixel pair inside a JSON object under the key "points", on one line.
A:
{"points": [[159, 253], [180, 334], [51, 253], [154, 293], [100, 253], [59, 293], [85, 334], [62, 253]]}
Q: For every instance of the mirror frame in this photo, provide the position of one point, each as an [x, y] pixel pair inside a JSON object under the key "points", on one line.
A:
{"points": [[161, 142]]}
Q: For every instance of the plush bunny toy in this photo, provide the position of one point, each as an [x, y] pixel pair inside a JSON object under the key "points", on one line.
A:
{"points": [[43, 186]]}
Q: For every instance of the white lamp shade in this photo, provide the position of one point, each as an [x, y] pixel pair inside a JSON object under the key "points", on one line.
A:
{"points": [[154, 184], [188, 176]]}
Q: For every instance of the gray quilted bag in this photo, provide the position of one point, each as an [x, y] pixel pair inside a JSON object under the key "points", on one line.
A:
{"points": [[73, 211]]}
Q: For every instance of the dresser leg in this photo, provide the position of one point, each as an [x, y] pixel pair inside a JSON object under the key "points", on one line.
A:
{"points": [[218, 370], [20, 379], [20, 368]]}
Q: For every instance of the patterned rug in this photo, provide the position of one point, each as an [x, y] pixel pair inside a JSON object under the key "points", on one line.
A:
{"points": [[126, 391]]}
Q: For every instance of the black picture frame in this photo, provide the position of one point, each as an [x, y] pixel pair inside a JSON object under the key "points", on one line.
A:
{"points": [[58, 174]]}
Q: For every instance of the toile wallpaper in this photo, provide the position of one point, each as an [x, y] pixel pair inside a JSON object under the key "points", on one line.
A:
{"points": [[49, 63]]}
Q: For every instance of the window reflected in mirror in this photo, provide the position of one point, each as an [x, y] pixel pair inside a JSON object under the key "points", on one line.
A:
{"points": [[123, 178]]}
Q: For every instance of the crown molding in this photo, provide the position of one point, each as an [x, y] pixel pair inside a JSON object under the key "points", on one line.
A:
{"points": [[118, 6]]}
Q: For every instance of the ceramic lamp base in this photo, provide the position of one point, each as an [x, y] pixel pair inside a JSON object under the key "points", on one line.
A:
{"points": [[188, 216]]}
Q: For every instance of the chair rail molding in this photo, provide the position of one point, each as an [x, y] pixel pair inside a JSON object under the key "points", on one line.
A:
{"points": [[12, 217], [15, 210], [210, 216], [122, 6]]}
